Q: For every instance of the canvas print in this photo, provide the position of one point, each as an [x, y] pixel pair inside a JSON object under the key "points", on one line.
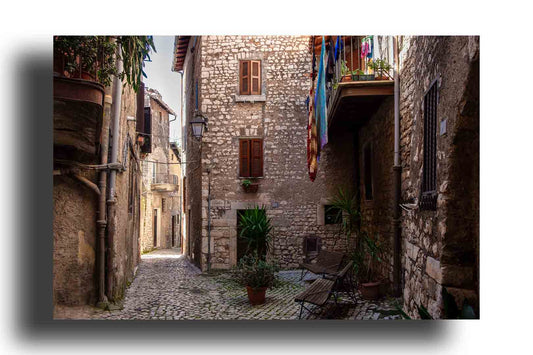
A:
{"points": [[308, 177]]}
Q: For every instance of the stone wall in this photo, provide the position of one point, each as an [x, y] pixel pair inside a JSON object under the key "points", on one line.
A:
{"points": [[74, 242], [377, 212], [427, 235], [125, 250], [279, 117]]}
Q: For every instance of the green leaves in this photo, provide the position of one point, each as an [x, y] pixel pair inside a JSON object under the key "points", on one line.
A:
{"points": [[255, 230], [135, 50], [255, 272], [95, 55]]}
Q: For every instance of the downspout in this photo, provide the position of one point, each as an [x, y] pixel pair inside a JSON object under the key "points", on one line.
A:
{"points": [[111, 198], [397, 168], [208, 220], [102, 211]]}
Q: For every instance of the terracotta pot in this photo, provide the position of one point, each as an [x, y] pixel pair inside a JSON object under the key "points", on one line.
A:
{"points": [[346, 78], [370, 290], [256, 296]]}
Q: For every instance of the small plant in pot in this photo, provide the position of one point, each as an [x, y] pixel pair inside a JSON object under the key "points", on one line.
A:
{"points": [[367, 273], [249, 186], [356, 74], [345, 72], [381, 68], [257, 275]]}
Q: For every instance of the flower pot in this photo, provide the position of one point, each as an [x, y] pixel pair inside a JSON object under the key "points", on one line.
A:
{"points": [[366, 77], [370, 290], [256, 296], [252, 188], [355, 77], [346, 78]]}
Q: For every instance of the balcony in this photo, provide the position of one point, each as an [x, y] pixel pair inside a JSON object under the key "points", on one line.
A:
{"points": [[78, 95], [358, 79], [164, 182]]}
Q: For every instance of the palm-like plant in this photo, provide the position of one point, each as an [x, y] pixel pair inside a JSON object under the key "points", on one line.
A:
{"points": [[255, 230], [344, 202]]}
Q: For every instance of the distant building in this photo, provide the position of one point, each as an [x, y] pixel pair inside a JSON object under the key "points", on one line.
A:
{"points": [[158, 227]]}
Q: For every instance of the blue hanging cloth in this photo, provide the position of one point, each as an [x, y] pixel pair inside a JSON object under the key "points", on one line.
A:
{"points": [[338, 44], [320, 100]]}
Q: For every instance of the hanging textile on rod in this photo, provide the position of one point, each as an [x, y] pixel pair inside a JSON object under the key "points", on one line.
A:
{"points": [[312, 140], [320, 100]]}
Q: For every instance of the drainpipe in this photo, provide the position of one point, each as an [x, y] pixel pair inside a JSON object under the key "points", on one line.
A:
{"points": [[209, 220], [111, 198], [397, 168]]}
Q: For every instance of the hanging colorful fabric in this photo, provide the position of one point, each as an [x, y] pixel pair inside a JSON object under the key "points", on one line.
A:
{"points": [[320, 101], [312, 141]]}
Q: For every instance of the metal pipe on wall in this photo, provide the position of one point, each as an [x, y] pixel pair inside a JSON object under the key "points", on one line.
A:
{"points": [[111, 198], [397, 169], [209, 220]]}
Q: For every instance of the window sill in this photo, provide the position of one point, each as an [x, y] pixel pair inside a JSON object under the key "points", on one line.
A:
{"points": [[250, 98]]}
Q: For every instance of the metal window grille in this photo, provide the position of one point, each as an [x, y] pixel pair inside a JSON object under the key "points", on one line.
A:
{"points": [[428, 199]]}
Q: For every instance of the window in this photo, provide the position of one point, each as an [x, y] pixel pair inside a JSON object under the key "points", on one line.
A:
{"points": [[428, 199], [332, 215], [251, 157], [250, 77], [367, 169], [312, 246]]}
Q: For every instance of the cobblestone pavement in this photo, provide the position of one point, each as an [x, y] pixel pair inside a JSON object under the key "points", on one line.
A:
{"points": [[168, 287]]}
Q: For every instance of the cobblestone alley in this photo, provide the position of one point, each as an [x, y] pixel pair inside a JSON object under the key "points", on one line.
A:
{"points": [[168, 287]]}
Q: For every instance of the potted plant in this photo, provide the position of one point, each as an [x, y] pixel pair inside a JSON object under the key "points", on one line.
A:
{"points": [[356, 74], [249, 186], [345, 72], [381, 69], [257, 275], [367, 273], [92, 58]]}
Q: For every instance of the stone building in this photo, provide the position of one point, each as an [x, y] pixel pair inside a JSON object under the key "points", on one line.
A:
{"points": [[413, 166], [176, 196], [158, 227], [256, 130], [423, 204], [96, 231]]}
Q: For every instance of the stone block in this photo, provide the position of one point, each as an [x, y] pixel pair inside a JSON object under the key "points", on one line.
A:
{"points": [[433, 269]]}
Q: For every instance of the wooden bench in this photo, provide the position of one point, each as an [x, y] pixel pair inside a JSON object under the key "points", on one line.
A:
{"points": [[319, 292], [327, 262]]}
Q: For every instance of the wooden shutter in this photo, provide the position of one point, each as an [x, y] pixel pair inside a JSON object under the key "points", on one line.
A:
{"points": [[139, 117], [244, 78], [256, 77], [257, 158], [147, 146], [244, 157]]}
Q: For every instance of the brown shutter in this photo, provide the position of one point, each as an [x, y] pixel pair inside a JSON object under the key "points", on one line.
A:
{"points": [[257, 157], [244, 78], [244, 157], [256, 77], [139, 118]]}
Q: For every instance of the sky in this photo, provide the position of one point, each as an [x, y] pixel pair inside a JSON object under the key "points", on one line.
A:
{"points": [[164, 80]]}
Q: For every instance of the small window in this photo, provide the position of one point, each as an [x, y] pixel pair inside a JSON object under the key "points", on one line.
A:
{"points": [[332, 215], [367, 169], [250, 77], [163, 204], [428, 199], [311, 246], [250, 157]]}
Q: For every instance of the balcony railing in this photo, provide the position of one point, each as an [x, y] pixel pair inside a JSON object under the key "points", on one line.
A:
{"points": [[355, 66], [165, 179]]}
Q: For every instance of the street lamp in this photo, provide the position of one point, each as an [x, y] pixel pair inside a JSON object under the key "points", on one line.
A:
{"points": [[198, 124]]}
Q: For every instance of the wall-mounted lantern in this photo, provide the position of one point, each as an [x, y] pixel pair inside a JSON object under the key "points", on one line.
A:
{"points": [[198, 124]]}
